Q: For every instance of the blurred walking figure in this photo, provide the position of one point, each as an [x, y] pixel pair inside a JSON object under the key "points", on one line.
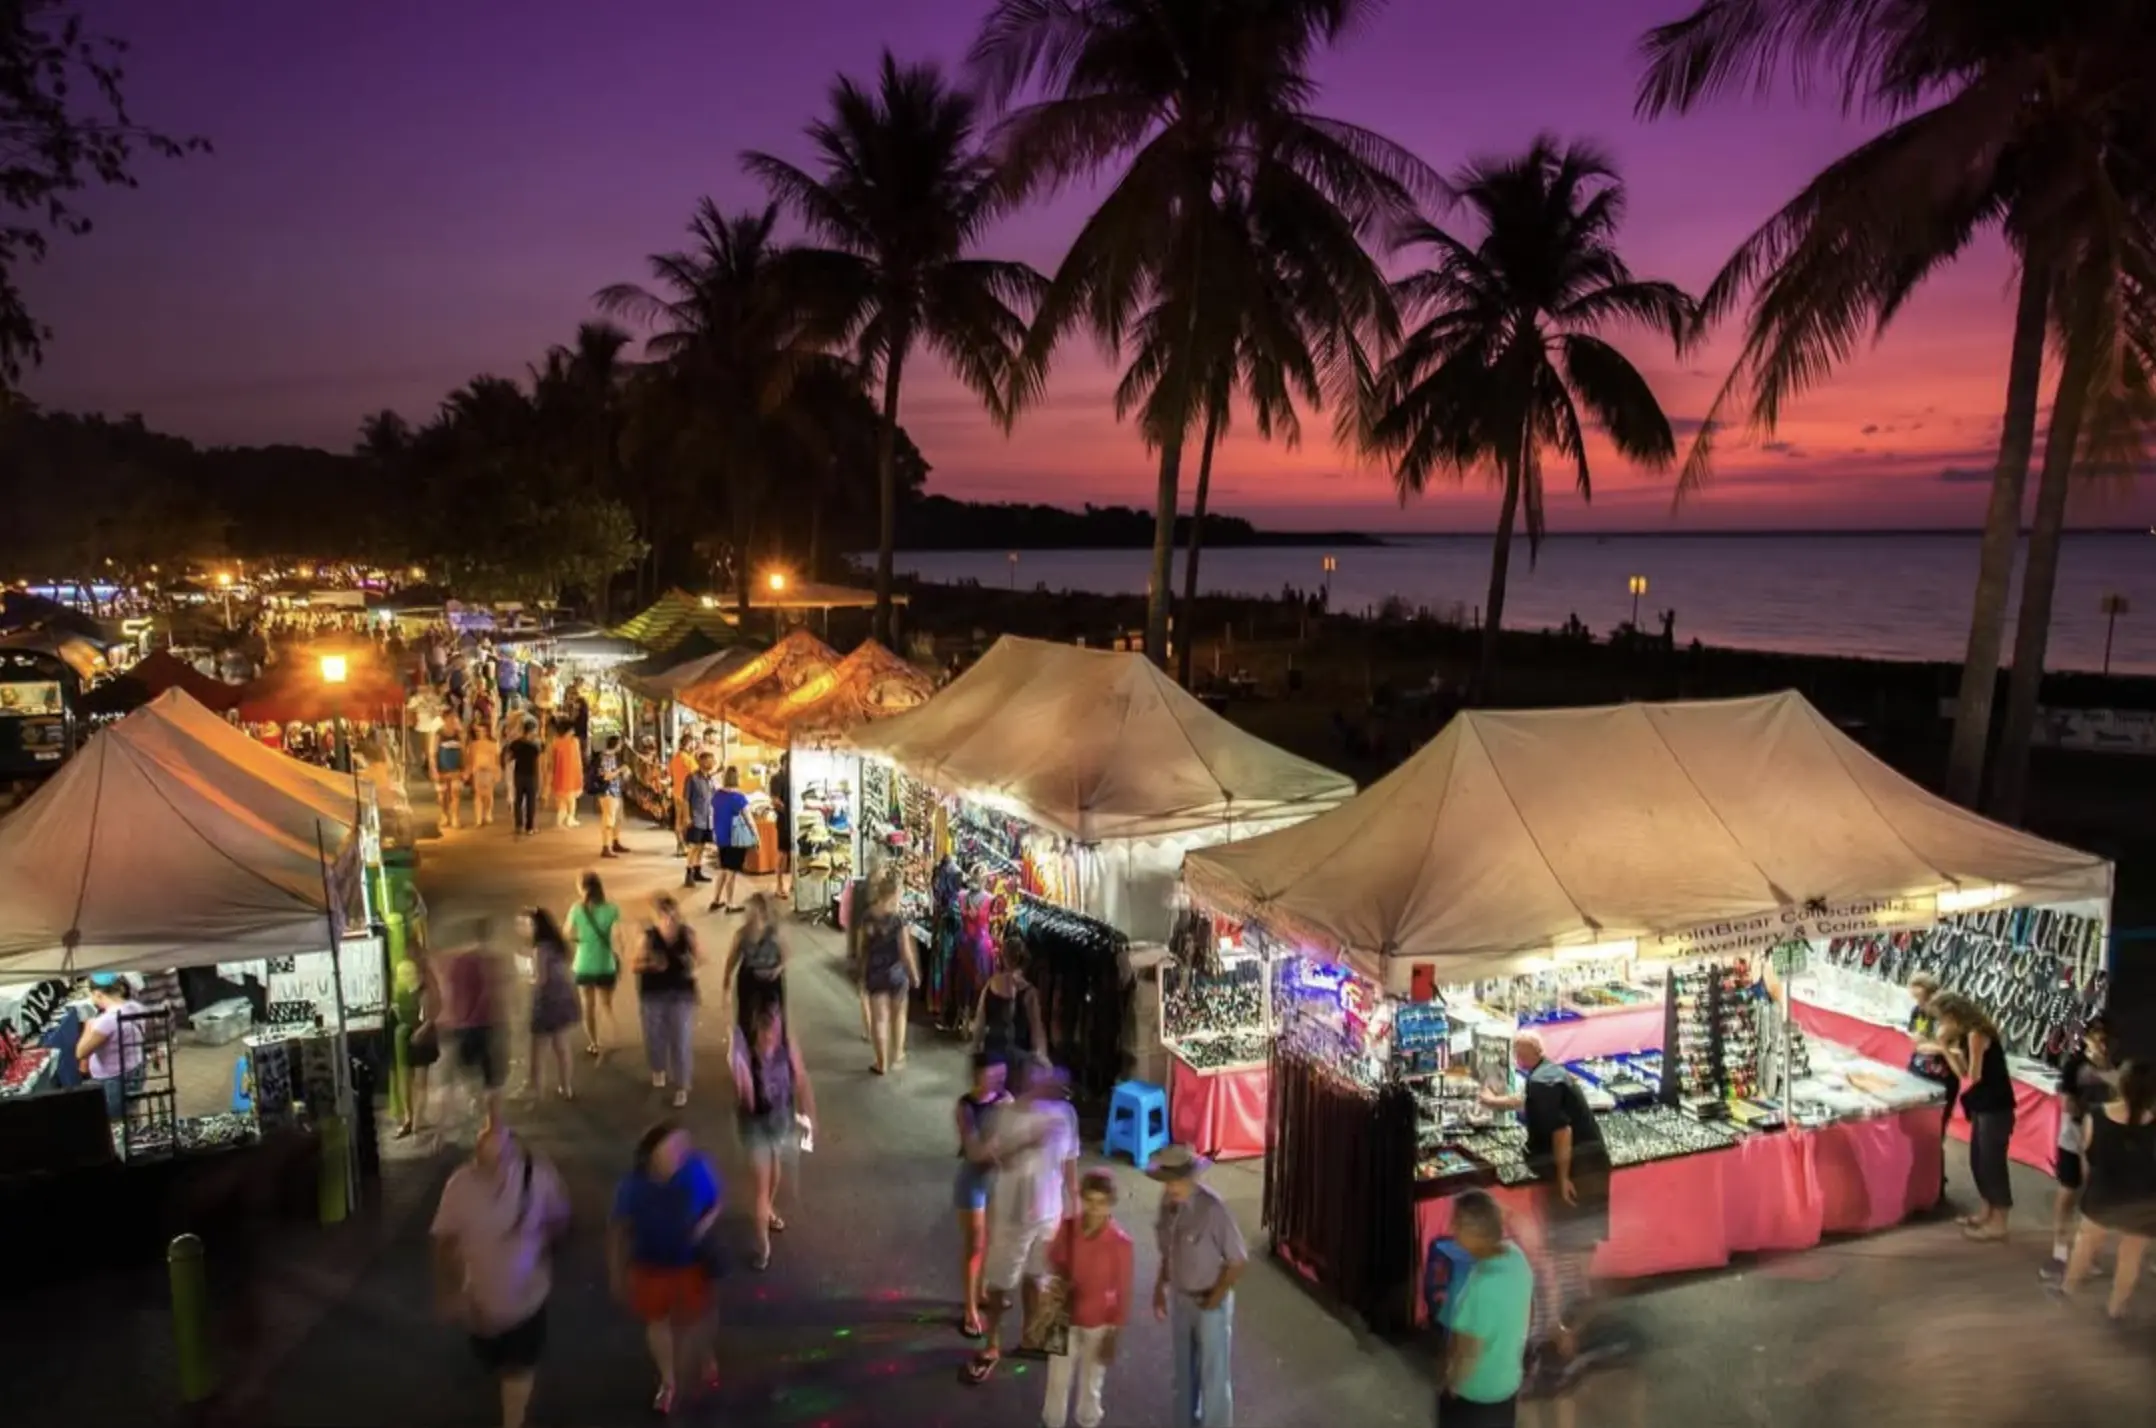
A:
{"points": [[976, 1173], [2085, 1085], [781, 789], [772, 1086], [606, 777], [661, 1254], [565, 769], [554, 1008], [595, 925], [525, 758], [666, 997], [484, 754], [2119, 1196], [698, 795], [494, 1233], [471, 1016], [449, 770], [889, 970], [756, 965], [1092, 1258], [419, 1010], [1034, 1144]]}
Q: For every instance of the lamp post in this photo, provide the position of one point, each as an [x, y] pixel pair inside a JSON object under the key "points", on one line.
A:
{"points": [[2114, 606], [224, 585], [1012, 558], [775, 582], [1328, 565], [334, 672], [1638, 586]]}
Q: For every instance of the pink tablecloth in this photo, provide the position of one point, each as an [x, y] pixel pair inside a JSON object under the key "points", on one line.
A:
{"points": [[1769, 1193], [1220, 1114], [2036, 1110], [1609, 1033]]}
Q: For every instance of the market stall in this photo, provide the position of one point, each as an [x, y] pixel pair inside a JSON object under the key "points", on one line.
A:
{"points": [[1053, 777], [870, 683], [746, 704], [653, 685], [676, 614], [190, 863], [1553, 868]]}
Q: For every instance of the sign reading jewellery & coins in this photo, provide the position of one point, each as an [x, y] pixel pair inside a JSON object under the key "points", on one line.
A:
{"points": [[1816, 920]]}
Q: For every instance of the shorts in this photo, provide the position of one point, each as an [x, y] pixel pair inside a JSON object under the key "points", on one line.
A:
{"points": [[604, 981], [2067, 1169], [696, 837], [669, 1293], [448, 763], [1466, 1413], [475, 1052], [971, 1191], [732, 859], [1577, 1228], [515, 1349], [1016, 1253], [422, 1052], [768, 1135]]}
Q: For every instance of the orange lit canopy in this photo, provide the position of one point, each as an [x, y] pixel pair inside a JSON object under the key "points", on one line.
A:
{"points": [[751, 696], [871, 683]]}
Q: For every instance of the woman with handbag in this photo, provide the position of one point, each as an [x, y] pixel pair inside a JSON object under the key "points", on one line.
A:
{"points": [[889, 970], [666, 997], [1091, 1258], [736, 835], [419, 1034], [661, 1256], [772, 1085]]}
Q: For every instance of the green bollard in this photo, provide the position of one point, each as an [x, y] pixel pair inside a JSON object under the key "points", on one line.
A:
{"points": [[191, 1319], [335, 1148]]}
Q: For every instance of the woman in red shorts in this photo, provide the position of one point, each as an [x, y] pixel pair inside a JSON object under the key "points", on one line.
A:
{"points": [[662, 1256]]}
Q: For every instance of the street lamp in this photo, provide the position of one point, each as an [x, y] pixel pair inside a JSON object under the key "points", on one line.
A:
{"points": [[776, 580], [224, 584], [1329, 565], [2114, 606], [1013, 559], [1638, 586]]}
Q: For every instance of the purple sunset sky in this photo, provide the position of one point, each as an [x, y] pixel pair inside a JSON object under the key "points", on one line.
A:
{"points": [[404, 195]]}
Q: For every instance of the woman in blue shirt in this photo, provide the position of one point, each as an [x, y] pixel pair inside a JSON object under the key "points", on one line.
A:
{"points": [[735, 835], [660, 1255]]}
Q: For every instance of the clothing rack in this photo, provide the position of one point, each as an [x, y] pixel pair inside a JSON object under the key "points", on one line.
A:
{"points": [[1077, 964]]}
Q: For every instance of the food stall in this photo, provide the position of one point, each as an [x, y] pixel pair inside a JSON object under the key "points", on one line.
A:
{"points": [[1053, 777], [1702, 859]]}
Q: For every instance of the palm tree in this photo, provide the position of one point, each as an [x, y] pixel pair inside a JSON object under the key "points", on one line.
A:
{"points": [[903, 195], [2001, 110], [1506, 346], [735, 330], [1191, 98]]}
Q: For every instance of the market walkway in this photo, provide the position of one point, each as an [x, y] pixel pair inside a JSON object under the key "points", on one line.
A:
{"points": [[853, 1323]]}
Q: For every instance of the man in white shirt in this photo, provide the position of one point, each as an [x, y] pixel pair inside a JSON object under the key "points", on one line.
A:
{"points": [[1034, 1143], [493, 1245]]}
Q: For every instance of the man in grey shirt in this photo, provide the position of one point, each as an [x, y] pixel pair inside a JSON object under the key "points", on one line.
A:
{"points": [[1201, 1257]]}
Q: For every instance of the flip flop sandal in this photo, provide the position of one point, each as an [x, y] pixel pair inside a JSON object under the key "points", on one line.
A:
{"points": [[778, 1226], [970, 1328], [982, 1366]]}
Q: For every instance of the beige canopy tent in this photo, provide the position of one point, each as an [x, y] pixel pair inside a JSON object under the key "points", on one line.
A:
{"points": [[1674, 827], [142, 853], [176, 729], [1108, 751]]}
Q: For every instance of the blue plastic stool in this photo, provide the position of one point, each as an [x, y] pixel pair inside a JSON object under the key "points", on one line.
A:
{"points": [[1137, 1121], [242, 1103]]}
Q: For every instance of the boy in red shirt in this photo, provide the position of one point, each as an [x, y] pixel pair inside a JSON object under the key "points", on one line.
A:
{"points": [[1092, 1257]]}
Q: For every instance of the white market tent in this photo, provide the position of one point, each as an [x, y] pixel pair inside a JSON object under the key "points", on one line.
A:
{"points": [[177, 729], [138, 856], [1513, 835], [1106, 750]]}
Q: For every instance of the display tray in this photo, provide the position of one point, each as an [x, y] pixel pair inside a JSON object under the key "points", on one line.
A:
{"points": [[1220, 1052]]}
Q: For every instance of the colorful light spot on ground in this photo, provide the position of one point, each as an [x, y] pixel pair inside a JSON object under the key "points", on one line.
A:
{"points": [[842, 1333]]}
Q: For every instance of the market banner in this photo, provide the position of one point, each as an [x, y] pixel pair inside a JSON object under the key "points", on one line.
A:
{"points": [[1817, 920]]}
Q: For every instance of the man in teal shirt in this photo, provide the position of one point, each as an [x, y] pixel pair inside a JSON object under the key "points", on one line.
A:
{"points": [[1486, 1352]]}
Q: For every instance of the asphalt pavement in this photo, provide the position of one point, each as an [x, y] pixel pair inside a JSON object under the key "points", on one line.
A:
{"points": [[855, 1321]]}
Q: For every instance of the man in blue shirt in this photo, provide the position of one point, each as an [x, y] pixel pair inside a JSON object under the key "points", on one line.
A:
{"points": [[1486, 1350]]}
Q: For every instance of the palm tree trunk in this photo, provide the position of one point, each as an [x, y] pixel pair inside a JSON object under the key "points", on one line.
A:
{"points": [[1500, 567], [1158, 583], [1184, 644], [887, 490], [2002, 538], [2032, 628], [815, 551]]}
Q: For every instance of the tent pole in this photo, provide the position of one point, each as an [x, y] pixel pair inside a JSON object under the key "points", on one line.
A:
{"points": [[343, 1068]]}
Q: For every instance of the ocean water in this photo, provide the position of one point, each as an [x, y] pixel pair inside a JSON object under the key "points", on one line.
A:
{"points": [[1888, 596]]}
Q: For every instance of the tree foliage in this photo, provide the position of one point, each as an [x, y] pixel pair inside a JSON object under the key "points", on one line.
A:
{"points": [[64, 128]]}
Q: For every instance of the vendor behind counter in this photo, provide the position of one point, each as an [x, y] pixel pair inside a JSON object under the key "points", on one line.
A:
{"points": [[109, 1051]]}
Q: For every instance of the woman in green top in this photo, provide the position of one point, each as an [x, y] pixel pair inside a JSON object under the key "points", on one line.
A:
{"points": [[591, 925]]}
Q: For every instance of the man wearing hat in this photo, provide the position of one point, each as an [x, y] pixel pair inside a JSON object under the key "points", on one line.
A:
{"points": [[1201, 1257]]}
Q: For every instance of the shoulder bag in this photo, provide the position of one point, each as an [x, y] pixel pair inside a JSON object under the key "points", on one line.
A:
{"points": [[1048, 1328]]}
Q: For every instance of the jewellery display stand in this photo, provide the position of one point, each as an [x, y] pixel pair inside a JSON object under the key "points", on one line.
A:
{"points": [[149, 1101]]}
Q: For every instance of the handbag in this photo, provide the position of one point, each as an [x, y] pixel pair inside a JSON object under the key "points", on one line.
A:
{"points": [[743, 833], [1048, 1328]]}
